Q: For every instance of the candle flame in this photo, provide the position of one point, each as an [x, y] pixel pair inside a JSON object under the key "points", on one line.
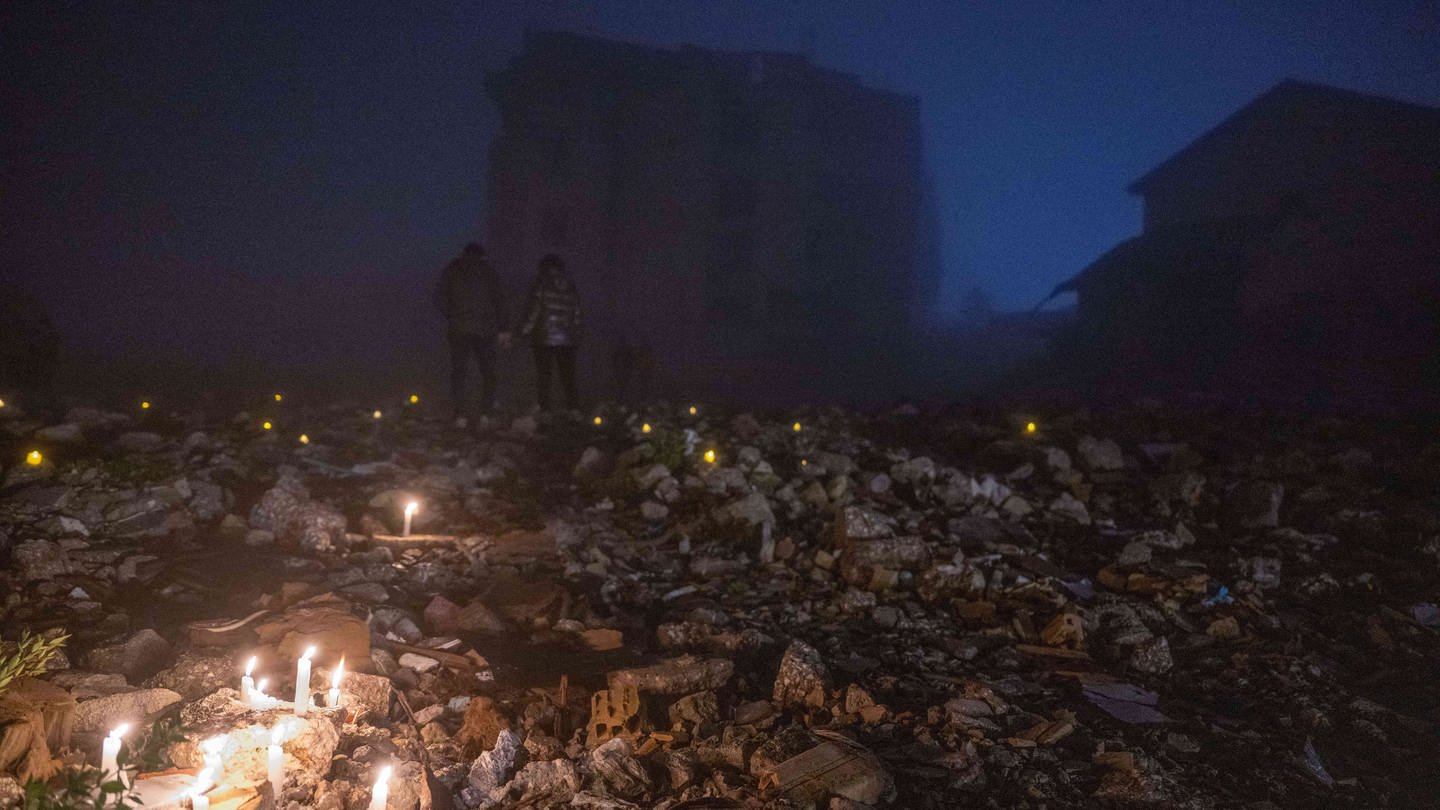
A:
{"points": [[304, 439], [693, 410], [383, 777], [795, 427], [709, 456], [1029, 427], [261, 684], [411, 508], [33, 458], [599, 421], [145, 405], [266, 425], [375, 414], [278, 397], [645, 428], [250, 665], [338, 674], [414, 398], [309, 653], [119, 731]]}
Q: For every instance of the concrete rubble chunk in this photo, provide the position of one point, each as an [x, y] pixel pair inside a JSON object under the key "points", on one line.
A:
{"points": [[675, 676]]}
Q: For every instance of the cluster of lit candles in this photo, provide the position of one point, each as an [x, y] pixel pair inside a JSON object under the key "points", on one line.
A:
{"points": [[254, 695]]}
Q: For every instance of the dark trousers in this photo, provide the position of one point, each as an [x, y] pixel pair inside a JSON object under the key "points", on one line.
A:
{"points": [[561, 358], [462, 347]]}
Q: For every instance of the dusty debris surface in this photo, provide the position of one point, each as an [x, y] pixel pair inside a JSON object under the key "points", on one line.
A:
{"points": [[1140, 609]]}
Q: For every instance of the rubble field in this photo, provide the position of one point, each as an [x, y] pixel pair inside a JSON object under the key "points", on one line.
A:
{"points": [[694, 607]]}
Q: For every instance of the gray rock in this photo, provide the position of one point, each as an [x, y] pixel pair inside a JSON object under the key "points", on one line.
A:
{"points": [[67, 433], [1100, 454], [195, 676], [138, 657], [40, 559], [675, 676], [803, 679], [138, 708]]}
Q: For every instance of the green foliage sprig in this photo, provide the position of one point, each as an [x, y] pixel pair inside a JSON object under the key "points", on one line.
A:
{"points": [[28, 657]]}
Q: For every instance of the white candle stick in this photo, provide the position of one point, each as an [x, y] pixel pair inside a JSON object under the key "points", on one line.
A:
{"points": [[380, 794], [212, 749], [332, 698], [110, 751], [247, 684], [410, 509], [302, 682], [198, 799], [275, 761]]}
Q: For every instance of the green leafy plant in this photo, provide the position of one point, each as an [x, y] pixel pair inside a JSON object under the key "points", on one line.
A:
{"points": [[669, 446], [80, 789], [166, 731], [28, 657]]}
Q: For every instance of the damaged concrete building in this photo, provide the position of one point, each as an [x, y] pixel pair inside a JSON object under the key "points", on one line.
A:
{"points": [[753, 218], [1293, 251]]}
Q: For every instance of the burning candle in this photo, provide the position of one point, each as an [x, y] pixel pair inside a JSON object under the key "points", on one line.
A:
{"points": [[33, 458], [145, 405], [709, 456], [694, 410], [247, 684], [304, 439], [278, 397], [266, 425], [599, 421], [410, 509], [795, 427], [645, 428], [198, 799], [275, 761], [1030, 427], [375, 414], [110, 750], [302, 682], [414, 398], [332, 698], [380, 795]]}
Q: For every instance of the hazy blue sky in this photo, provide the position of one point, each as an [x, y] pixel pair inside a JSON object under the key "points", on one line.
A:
{"points": [[243, 155]]}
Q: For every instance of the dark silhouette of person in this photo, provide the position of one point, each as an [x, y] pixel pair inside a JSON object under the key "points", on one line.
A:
{"points": [[552, 322], [470, 296]]}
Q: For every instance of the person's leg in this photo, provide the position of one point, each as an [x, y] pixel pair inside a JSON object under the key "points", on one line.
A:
{"points": [[565, 359], [542, 376], [485, 356], [459, 359]]}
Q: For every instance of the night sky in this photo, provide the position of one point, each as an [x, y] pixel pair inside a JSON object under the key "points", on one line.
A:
{"points": [[286, 179]]}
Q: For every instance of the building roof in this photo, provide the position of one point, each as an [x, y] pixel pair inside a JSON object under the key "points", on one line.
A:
{"points": [[1287, 95]]}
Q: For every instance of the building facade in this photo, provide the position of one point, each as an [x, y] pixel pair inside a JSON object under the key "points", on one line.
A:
{"points": [[751, 218], [1292, 251]]}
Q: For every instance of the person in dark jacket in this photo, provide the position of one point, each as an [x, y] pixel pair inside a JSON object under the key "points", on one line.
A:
{"points": [[552, 322], [470, 296]]}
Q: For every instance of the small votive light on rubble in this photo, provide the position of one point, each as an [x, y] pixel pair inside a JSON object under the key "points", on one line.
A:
{"points": [[375, 414], [599, 421], [332, 698], [2, 403], [645, 428], [247, 683], [302, 682], [278, 397], [266, 425], [275, 760], [304, 439], [709, 456], [144, 404], [1030, 427], [414, 398], [110, 750], [694, 410], [380, 794], [795, 427], [33, 458], [198, 799], [410, 509], [804, 463]]}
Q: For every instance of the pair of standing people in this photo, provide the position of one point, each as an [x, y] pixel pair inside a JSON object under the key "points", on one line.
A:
{"points": [[472, 299]]}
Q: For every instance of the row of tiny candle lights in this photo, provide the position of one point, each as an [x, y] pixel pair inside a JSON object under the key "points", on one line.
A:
{"points": [[253, 692]]}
